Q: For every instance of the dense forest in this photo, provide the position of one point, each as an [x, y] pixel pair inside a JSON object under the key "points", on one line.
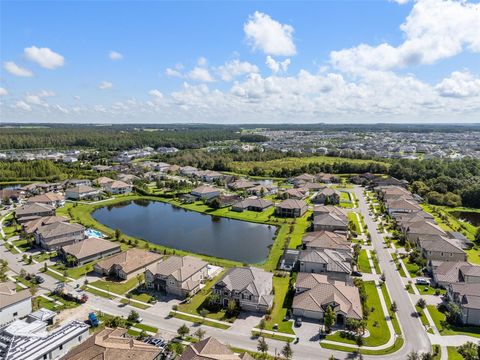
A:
{"points": [[112, 137]]}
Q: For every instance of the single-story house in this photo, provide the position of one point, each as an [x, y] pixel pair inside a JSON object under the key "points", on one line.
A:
{"points": [[103, 180], [296, 194], [128, 178], [314, 293], [13, 304], [33, 211], [402, 206], [208, 175], [467, 297], [118, 187], [225, 200], [50, 198], [188, 170], [241, 185], [124, 264], [421, 228], [291, 208], [327, 196], [251, 288], [262, 190], [89, 250], [54, 236], [81, 192], [334, 264], [177, 275], [205, 192], [327, 178], [252, 205]]}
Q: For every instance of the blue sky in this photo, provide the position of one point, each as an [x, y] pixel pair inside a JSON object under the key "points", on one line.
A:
{"points": [[231, 62]]}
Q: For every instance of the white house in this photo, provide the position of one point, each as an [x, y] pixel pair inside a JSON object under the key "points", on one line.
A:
{"points": [[13, 304]]}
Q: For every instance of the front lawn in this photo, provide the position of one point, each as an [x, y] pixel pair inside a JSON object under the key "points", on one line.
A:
{"points": [[453, 353], [74, 272], [281, 303], [363, 263], [428, 290], [117, 287], [439, 319]]}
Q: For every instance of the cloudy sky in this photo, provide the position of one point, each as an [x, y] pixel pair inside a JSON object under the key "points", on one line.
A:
{"points": [[240, 62]]}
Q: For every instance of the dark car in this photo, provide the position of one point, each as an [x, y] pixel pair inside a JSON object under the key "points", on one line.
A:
{"points": [[39, 279], [298, 322], [356, 273]]}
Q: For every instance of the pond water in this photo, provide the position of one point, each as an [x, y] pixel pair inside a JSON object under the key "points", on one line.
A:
{"points": [[174, 227], [10, 186], [470, 216]]}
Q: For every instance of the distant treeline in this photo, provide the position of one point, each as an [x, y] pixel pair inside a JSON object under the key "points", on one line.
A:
{"points": [[111, 137], [41, 170]]}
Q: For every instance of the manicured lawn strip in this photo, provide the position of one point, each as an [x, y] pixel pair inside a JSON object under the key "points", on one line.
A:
{"points": [[453, 353], [352, 217], [132, 332], [363, 264], [380, 334], [281, 304], [99, 293], [22, 244], [23, 281], [40, 302], [388, 302], [300, 226], [412, 268], [399, 268], [423, 318], [375, 262], [134, 304], [117, 287], [205, 322], [272, 336], [430, 290], [196, 302], [146, 327], [74, 272], [439, 320], [45, 256], [56, 276], [394, 348]]}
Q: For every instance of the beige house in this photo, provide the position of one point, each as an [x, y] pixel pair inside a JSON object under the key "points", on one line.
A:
{"points": [[319, 240], [205, 192], [291, 208], [81, 192], [113, 344], [54, 199], [420, 228], [33, 211], [314, 293], [211, 349], [467, 297], [13, 304], [89, 250], [31, 226], [118, 187], [125, 264], [54, 236], [330, 222], [334, 264], [327, 196], [177, 275], [440, 248], [450, 272]]}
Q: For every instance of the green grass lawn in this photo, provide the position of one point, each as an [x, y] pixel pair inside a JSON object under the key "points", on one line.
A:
{"points": [[205, 322], [412, 268], [399, 268], [388, 302], [44, 256], [74, 272], [379, 334], [281, 304], [363, 264], [22, 244], [453, 353], [56, 276], [99, 293], [394, 348], [117, 287], [422, 316], [428, 290], [134, 304], [352, 217], [446, 329]]}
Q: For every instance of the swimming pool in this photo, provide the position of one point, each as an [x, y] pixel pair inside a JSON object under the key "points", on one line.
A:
{"points": [[93, 233]]}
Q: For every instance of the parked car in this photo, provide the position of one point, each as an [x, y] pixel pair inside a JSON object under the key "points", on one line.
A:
{"points": [[298, 322], [356, 273], [39, 279], [422, 281]]}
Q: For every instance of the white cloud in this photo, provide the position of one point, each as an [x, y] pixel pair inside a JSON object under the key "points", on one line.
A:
{"points": [[3, 91], [269, 36], [460, 85], [234, 68], [37, 99], [114, 55], [434, 30], [173, 73], [22, 105], [277, 66], [401, 2], [202, 61], [14, 69], [200, 74], [44, 57], [156, 94], [105, 85]]}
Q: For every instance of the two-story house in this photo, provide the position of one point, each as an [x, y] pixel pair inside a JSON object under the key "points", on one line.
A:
{"points": [[54, 236]]}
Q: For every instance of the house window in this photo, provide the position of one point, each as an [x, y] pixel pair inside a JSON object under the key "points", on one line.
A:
{"points": [[60, 347], [15, 314]]}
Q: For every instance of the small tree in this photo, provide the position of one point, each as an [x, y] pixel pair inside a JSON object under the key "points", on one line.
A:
{"points": [[262, 346], [469, 350], [133, 316], [421, 303], [427, 356], [413, 355], [203, 313], [129, 297], [118, 234], [329, 318], [287, 351], [183, 331], [393, 307], [200, 333], [262, 325]]}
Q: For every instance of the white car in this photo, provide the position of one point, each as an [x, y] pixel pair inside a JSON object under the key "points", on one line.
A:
{"points": [[422, 281]]}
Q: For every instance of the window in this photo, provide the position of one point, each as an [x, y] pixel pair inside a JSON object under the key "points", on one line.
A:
{"points": [[15, 314], [60, 347]]}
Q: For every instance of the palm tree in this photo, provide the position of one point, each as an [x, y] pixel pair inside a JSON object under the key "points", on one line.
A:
{"points": [[287, 351], [200, 333]]}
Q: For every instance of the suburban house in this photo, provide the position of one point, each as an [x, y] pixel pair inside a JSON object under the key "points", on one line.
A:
{"points": [[402, 206], [327, 196], [224, 200], [123, 265], [177, 275], [251, 288], [467, 297], [327, 178], [319, 240], [24, 340], [208, 175], [54, 236], [205, 192], [334, 264], [296, 194], [89, 250], [31, 226], [435, 247], [118, 187], [103, 180], [188, 170], [303, 178], [314, 293], [252, 205], [330, 222], [128, 178], [13, 304], [110, 344], [81, 192], [241, 185], [9, 196], [291, 208], [33, 211], [262, 190], [445, 273], [51, 198], [77, 182], [211, 349], [422, 228]]}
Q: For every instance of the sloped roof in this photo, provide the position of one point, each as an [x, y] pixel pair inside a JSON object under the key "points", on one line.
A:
{"points": [[208, 349], [46, 198], [204, 189], [326, 240], [448, 271], [89, 247], [180, 267], [439, 243], [335, 261], [59, 229], [33, 208], [9, 295], [292, 204], [33, 225], [330, 219], [257, 281], [130, 260], [82, 189], [260, 203]]}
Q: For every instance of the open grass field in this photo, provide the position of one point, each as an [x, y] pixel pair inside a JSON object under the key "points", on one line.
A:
{"points": [[293, 163]]}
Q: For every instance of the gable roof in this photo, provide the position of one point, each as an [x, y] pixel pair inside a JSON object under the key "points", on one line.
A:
{"points": [[326, 240], [33, 208], [59, 229], [9, 295], [439, 243], [256, 281], [33, 225], [204, 189], [292, 204], [330, 219], [46, 198], [259, 203], [335, 261], [209, 349], [449, 271], [180, 267], [130, 260], [81, 189], [89, 247]]}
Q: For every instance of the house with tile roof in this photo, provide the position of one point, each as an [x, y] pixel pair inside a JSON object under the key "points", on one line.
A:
{"points": [[291, 208], [334, 264], [33, 211], [90, 249], [467, 297], [327, 196], [440, 248], [211, 349], [250, 287], [314, 293], [31, 226], [257, 205], [82, 192], [177, 275], [54, 199], [319, 240], [330, 222], [55, 235], [13, 304], [445, 273], [205, 192]]}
